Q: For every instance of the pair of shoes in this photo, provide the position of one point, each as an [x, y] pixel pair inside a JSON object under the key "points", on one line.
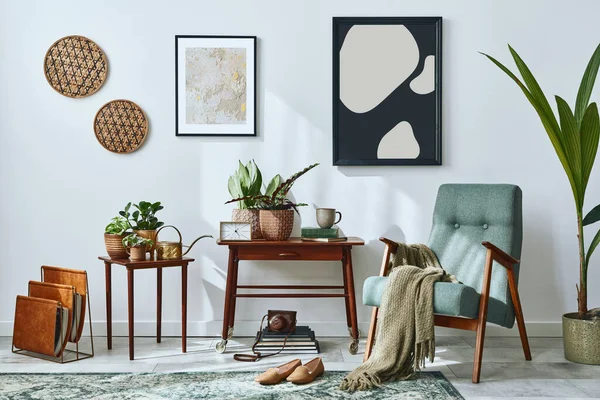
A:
{"points": [[293, 371]]}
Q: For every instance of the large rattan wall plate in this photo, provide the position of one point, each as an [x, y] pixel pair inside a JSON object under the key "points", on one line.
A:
{"points": [[121, 126], [75, 66]]}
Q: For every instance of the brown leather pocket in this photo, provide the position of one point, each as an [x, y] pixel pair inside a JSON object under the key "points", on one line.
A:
{"points": [[35, 325]]}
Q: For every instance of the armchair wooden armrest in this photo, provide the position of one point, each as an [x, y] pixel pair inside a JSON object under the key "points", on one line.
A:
{"points": [[500, 256], [390, 248]]}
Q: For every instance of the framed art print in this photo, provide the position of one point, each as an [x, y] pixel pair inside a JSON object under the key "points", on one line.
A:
{"points": [[215, 85], [387, 91]]}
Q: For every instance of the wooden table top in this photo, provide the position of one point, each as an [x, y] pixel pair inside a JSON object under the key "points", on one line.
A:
{"points": [[294, 241], [147, 263]]}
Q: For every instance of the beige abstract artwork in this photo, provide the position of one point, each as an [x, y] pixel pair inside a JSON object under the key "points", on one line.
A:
{"points": [[215, 85]]}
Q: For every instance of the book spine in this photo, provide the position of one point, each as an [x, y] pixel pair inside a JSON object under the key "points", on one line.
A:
{"points": [[319, 233]]}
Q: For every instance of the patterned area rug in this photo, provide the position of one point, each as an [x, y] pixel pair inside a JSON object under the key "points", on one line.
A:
{"points": [[203, 385]]}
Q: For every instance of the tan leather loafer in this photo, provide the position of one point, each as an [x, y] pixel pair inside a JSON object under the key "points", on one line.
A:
{"points": [[273, 376], [307, 372]]}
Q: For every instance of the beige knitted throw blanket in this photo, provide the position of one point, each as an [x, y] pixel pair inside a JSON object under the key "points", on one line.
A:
{"points": [[405, 335]]}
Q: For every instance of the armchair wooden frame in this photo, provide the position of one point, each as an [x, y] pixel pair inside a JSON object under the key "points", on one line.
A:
{"points": [[471, 324]]}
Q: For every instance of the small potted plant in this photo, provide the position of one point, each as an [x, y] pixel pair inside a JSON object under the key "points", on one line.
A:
{"points": [[276, 210], [246, 182], [143, 220], [114, 233], [136, 246]]}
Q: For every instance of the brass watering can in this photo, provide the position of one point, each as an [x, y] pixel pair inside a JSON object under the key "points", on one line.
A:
{"points": [[173, 250]]}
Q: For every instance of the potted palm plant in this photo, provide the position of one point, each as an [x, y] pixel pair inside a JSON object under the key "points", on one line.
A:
{"points": [[276, 211], [143, 220], [114, 233], [136, 246], [574, 135], [247, 183]]}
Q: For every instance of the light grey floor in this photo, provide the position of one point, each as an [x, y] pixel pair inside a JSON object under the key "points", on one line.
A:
{"points": [[505, 372]]}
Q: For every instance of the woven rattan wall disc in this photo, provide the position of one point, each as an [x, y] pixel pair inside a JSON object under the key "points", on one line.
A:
{"points": [[75, 66], [121, 126]]}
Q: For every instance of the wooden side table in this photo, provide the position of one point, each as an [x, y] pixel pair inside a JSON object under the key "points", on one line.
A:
{"points": [[293, 249], [132, 266]]}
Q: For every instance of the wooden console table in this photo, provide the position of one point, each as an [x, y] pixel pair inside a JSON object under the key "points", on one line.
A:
{"points": [[131, 266], [293, 249]]}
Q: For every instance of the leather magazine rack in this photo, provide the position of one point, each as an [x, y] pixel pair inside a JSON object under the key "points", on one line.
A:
{"points": [[53, 315]]}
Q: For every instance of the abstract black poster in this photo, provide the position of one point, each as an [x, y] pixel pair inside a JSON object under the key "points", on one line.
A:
{"points": [[387, 91]]}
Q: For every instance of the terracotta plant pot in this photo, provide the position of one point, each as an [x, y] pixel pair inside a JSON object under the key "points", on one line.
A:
{"points": [[114, 246], [137, 253], [276, 224], [249, 215], [148, 234], [581, 339]]}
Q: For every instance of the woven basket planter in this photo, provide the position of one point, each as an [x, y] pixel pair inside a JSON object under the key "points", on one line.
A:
{"points": [[114, 246], [249, 215], [276, 224]]}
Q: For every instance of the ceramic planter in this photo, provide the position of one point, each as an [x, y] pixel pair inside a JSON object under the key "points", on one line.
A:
{"points": [[581, 339], [114, 246], [249, 215], [276, 224], [137, 253]]}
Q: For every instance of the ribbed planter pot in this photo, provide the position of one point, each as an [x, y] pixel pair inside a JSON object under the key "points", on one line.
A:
{"points": [[148, 234], [581, 339], [114, 246], [138, 253], [249, 215], [276, 224]]}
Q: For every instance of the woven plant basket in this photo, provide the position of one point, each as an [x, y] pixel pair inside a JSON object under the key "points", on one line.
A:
{"points": [[276, 224], [114, 246], [249, 215]]}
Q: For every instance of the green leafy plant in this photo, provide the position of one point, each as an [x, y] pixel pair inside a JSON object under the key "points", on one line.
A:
{"points": [[247, 183], [144, 217], [575, 141], [117, 226], [134, 240], [275, 197]]}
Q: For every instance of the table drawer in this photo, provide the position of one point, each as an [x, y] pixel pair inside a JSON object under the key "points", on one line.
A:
{"points": [[318, 253]]}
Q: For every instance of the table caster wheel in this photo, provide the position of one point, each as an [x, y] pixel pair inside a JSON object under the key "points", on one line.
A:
{"points": [[230, 333], [221, 346], [353, 347]]}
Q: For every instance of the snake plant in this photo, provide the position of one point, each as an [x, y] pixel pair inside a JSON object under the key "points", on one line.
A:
{"points": [[247, 183], [574, 136]]}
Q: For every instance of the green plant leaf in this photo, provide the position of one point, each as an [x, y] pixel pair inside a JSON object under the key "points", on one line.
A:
{"points": [[572, 144], [589, 136], [586, 86], [553, 133], [276, 181], [592, 216], [243, 176], [233, 185], [593, 246]]}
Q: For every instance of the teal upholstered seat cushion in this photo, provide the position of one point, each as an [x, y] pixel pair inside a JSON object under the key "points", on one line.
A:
{"points": [[464, 216], [448, 299]]}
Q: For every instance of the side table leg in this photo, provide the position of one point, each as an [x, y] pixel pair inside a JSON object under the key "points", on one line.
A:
{"points": [[233, 298], [108, 278], [353, 348], [130, 309], [346, 293], [184, 285], [221, 346], [158, 304]]}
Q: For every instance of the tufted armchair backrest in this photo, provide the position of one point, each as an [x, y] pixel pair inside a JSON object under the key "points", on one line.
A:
{"points": [[466, 215]]}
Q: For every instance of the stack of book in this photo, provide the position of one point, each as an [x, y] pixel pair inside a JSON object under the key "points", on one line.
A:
{"points": [[322, 235], [301, 341]]}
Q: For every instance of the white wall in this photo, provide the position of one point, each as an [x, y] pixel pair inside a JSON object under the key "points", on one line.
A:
{"points": [[59, 187]]}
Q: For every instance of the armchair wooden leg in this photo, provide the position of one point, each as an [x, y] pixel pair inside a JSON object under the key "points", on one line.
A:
{"points": [[514, 293], [481, 321], [371, 336]]}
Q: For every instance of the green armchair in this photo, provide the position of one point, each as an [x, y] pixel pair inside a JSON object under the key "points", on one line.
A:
{"points": [[471, 223]]}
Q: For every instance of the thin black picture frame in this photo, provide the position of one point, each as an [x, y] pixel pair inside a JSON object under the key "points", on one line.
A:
{"points": [[254, 95], [340, 21]]}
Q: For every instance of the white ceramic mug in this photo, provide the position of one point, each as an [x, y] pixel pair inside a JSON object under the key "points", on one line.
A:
{"points": [[326, 217]]}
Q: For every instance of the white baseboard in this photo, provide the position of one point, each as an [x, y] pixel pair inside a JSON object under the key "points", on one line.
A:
{"points": [[249, 328]]}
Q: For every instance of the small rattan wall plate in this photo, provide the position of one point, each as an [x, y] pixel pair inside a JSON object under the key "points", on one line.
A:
{"points": [[75, 66], [121, 126]]}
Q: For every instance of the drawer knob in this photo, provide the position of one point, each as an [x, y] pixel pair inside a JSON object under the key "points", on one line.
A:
{"points": [[290, 254]]}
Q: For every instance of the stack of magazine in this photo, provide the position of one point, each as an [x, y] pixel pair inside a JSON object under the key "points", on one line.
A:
{"points": [[315, 234], [301, 341]]}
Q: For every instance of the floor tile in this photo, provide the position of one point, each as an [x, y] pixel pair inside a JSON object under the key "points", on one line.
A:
{"points": [[519, 388]]}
